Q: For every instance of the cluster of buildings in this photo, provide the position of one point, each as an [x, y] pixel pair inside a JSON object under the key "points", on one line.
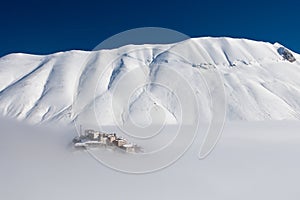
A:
{"points": [[97, 138]]}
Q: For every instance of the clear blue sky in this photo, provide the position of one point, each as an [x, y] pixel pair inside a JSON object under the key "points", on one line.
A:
{"points": [[42, 27]]}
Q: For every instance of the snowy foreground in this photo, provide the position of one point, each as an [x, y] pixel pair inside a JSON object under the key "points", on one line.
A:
{"points": [[253, 160]]}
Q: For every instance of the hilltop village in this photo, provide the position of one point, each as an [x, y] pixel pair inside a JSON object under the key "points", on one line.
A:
{"points": [[92, 138]]}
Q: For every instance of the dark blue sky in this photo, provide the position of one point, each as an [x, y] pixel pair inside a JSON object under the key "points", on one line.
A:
{"points": [[42, 27]]}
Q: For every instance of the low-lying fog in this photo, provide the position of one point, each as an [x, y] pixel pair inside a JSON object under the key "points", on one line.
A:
{"points": [[253, 160]]}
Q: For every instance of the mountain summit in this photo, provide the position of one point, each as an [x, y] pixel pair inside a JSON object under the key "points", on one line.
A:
{"points": [[259, 82]]}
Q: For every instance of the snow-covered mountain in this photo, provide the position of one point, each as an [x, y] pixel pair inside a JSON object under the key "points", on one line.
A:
{"points": [[259, 83]]}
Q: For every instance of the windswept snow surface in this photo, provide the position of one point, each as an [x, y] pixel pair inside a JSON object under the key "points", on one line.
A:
{"points": [[62, 87]]}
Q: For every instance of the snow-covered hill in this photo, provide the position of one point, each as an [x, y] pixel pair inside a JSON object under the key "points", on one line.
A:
{"points": [[259, 84]]}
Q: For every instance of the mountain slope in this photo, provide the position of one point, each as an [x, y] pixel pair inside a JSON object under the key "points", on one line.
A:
{"points": [[76, 85]]}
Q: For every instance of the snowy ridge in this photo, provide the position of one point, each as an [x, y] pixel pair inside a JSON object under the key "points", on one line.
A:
{"points": [[259, 83]]}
